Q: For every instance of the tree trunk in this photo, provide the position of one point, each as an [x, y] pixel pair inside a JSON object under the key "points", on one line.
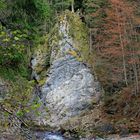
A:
{"points": [[72, 6], [122, 47]]}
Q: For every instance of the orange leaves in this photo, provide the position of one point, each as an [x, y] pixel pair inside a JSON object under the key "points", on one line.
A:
{"points": [[133, 60], [96, 13], [137, 20], [116, 2], [117, 41]]}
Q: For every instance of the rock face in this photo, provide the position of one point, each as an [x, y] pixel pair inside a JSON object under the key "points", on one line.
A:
{"points": [[70, 87], [69, 90]]}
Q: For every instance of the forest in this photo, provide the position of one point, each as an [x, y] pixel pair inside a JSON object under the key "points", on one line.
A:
{"points": [[97, 39]]}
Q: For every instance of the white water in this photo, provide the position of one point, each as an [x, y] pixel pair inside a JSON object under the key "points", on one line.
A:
{"points": [[48, 136], [53, 137]]}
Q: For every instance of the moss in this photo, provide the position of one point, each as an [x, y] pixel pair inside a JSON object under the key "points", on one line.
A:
{"points": [[42, 55], [79, 33], [16, 103], [42, 82], [80, 131], [12, 74], [54, 37]]}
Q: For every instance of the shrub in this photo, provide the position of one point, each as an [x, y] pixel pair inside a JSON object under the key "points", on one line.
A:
{"points": [[12, 48]]}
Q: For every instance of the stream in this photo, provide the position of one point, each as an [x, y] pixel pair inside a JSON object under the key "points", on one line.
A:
{"points": [[49, 136]]}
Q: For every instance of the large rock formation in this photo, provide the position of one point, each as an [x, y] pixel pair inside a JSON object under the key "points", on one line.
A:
{"points": [[71, 87]]}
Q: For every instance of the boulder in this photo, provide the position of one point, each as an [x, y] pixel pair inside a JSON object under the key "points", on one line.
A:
{"points": [[71, 88]]}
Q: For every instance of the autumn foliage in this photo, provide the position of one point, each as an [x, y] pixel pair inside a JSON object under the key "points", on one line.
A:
{"points": [[117, 47], [115, 56]]}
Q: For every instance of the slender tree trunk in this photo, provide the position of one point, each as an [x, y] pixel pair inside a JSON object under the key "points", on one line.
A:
{"points": [[134, 57], [62, 6], [122, 47], [90, 41], [72, 6]]}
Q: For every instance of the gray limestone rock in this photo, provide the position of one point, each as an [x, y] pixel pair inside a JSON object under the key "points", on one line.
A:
{"points": [[70, 87]]}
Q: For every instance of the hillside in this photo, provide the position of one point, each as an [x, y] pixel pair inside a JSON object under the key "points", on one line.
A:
{"points": [[69, 70]]}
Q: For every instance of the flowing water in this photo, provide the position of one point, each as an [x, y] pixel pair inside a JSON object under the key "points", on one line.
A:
{"points": [[49, 136]]}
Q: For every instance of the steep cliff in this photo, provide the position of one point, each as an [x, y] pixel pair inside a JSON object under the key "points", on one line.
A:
{"points": [[48, 83]]}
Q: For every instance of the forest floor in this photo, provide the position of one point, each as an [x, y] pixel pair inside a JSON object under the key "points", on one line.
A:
{"points": [[123, 112]]}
